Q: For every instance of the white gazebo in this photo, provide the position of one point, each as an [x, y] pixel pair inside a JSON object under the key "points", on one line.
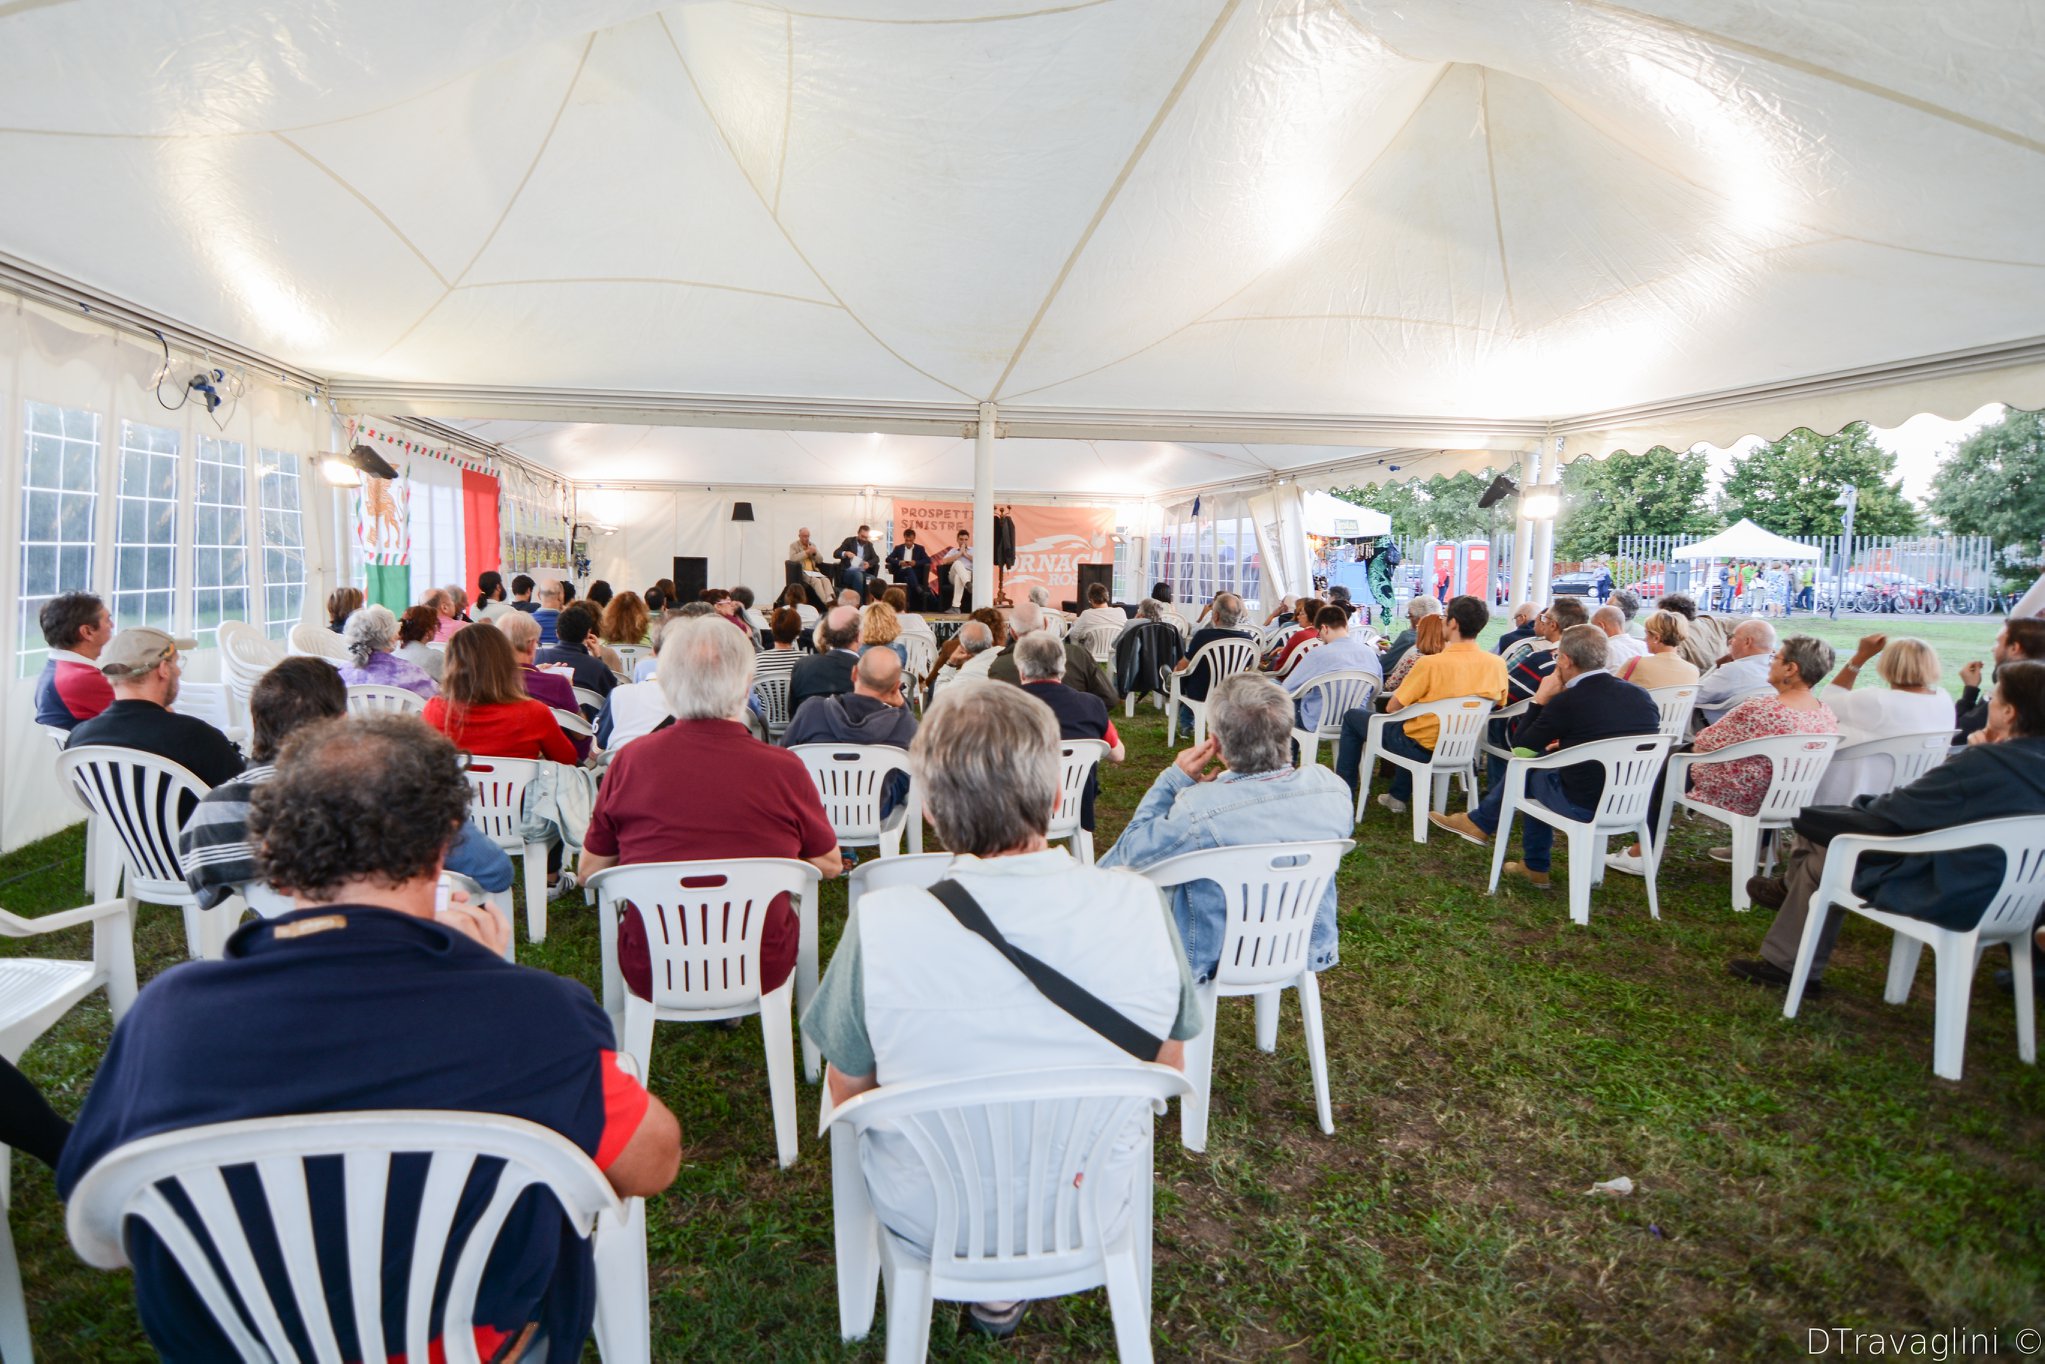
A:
{"points": [[1744, 541]]}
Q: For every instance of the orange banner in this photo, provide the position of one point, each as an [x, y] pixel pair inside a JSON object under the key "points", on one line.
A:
{"points": [[1050, 542]]}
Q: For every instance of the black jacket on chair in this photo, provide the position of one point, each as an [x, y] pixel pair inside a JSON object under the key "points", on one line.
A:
{"points": [[1599, 706], [1147, 651], [825, 674]]}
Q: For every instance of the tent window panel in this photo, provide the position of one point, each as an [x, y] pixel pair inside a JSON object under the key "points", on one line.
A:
{"points": [[283, 531], [59, 501], [220, 584], [146, 528]]}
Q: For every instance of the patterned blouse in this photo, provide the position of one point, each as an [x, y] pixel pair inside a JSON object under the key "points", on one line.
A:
{"points": [[1740, 785]]}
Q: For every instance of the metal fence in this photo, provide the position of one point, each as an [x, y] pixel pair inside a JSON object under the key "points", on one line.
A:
{"points": [[1884, 573]]}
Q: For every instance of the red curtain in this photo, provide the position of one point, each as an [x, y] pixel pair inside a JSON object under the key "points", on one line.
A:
{"points": [[480, 549]]}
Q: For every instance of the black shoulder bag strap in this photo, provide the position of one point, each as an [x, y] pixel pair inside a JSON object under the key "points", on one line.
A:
{"points": [[1088, 1008]]}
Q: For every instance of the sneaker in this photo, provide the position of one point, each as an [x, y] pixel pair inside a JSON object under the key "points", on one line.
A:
{"points": [[1537, 879], [996, 1319], [1463, 827], [1388, 801], [1769, 974], [1767, 891], [1632, 863], [1724, 855]]}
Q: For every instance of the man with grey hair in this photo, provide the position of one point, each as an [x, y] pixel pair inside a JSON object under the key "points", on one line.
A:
{"points": [[913, 996], [1741, 673], [1040, 662], [1227, 623], [553, 596], [1579, 701], [1522, 626], [1256, 796], [1081, 672], [828, 671], [742, 798], [976, 647], [143, 665], [1628, 602], [552, 690], [1620, 647], [1401, 642], [871, 713]]}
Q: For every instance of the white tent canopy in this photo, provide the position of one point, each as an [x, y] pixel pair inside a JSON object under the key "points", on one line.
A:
{"points": [[1331, 517], [1363, 225], [1745, 540]]}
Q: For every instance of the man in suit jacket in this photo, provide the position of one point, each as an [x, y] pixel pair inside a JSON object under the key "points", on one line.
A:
{"points": [[857, 560], [2000, 773], [909, 565], [1577, 703], [827, 672], [1040, 663], [1081, 672]]}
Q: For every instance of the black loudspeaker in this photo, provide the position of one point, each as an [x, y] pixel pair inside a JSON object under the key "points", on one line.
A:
{"points": [[692, 576], [1089, 574]]}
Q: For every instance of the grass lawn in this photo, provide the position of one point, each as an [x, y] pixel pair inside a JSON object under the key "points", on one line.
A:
{"points": [[1489, 1063], [1956, 638]]}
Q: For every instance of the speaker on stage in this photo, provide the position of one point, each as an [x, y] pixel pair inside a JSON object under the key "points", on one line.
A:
{"points": [[692, 576], [1089, 574]]}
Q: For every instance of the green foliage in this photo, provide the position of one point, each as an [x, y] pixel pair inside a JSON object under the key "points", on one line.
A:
{"points": [[1792, 486], [1993, 484], [1442, 508], [1660, 492]]}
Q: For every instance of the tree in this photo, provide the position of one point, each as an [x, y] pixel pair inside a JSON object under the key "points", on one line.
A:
{"points": [[1442, 508], [1792, 486], [1660, 492], [1993, 483]]}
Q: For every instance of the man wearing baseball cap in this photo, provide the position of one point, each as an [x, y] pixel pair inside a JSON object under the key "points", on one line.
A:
{"points": [[144, 665]]}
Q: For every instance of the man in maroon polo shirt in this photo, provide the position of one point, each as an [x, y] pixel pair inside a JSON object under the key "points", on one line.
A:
{"points": [[742, 798]]}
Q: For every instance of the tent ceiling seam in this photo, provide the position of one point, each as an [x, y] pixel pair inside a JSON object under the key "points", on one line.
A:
{"points": [[914, 23], [787, 236], [787, 114], [367, 203], [1497, 214], [1826, 73], [1129, 165], [652, 279]]}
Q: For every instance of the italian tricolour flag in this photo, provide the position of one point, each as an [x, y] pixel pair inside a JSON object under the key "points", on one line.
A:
{"points": [[438, 516]]}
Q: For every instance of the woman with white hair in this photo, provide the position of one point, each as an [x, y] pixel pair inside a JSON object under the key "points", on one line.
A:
{"points": [[371, 635], [741, 798], [1911, 703]]}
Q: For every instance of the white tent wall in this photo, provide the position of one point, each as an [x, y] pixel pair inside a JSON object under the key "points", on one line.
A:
{"points": [[79, 365], [651, 525]]}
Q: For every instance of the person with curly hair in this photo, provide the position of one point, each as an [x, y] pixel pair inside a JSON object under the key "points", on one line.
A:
{"points": [[371, 637], [372, 994]]}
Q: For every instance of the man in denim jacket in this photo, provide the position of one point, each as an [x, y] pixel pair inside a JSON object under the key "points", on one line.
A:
{"points": [[1257, 797]]}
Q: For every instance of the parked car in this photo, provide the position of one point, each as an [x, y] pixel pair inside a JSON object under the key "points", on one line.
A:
{"points": [[1578, 584]]}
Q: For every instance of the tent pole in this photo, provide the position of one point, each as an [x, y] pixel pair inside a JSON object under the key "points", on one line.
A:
{"points": [[1550, 468], [1523, 533], [983, 508]]}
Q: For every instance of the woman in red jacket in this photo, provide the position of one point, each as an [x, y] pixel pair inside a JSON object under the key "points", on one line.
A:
{"points": [[483, 707]]}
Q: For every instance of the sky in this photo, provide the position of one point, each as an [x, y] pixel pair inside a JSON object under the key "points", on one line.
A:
{"points": [[1918, 444]]}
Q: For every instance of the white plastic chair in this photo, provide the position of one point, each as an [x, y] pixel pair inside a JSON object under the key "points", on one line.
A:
{"points": [[704, 922], [584, 696], [208, 701], [1907, 756], [850, 778], [497, 807], [314, 639], [268, 902], [1521, 650], [1077, 760], [246, 653], [129, 1182], [1007, 1157], [573, 722], [1340, 693], [773, 694], [93, 834], [1272, 892], [1276, 633], [1631, 766], [1217, 660], [1675, 705], [1503, 752], [371, 698], [1463, 720], [631, 655], [2008, 918], [1797, 763], [142, 801], [1292, 659], [921, 649], [1099, 641]]}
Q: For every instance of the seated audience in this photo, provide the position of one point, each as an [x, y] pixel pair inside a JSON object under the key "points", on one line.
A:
{"points": [[1340, 651], [1228, 623], [1416, 608], [779, 658], [625, 621], [1522, 627], [1040, 665], [1579, 702], [878, 629], [341, 604], [1304, 629], [458, 600], [144, 666], [1912, 703], [553, 596], [1149, 611], [1256, 796], [483, 704], [371, 636], [600, 594], [218, 857], [1998, 775], [1740, 672], [796, 599], [1663, 665], [443, 608], [973, 654], [490, 596], [873, 712], [1628, 602], [76, 626], [1460, 669], [1739, 784], [368, 996], [1706, 640], [1430, 637], [574, 649], [1099, 611], [631, 710], [522, 594], [1622, 648], [742, 798], [1082, 673], [551, 689], [828, 671], [1524, 678], [416, 629], [912, 995], [910, 622], [2019, 639]]}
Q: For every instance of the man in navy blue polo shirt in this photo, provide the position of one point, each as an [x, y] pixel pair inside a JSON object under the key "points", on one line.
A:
{"points": [[368, 997]]}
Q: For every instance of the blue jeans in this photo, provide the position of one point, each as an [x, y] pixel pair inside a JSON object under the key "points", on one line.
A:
{"points": [[1349, 755], [1536, 838], [854, 578]]}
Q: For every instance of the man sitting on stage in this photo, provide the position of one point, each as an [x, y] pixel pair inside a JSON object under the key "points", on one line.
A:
{"points": [[809, 560], [956, 563], [909, 565], [858, 560]]}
